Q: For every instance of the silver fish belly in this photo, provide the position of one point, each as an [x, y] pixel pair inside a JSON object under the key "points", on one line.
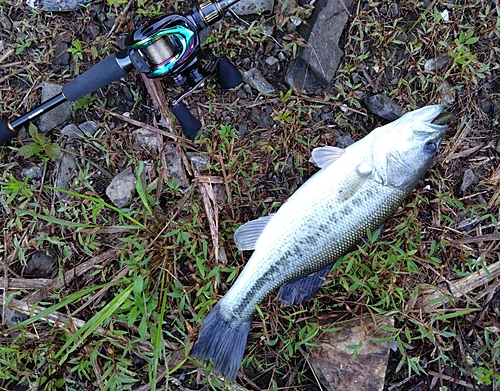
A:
{"points": [[356, 189]]}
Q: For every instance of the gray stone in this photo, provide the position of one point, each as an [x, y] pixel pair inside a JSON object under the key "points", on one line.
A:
{"points": [[272, 61], [199, 162], [89, 128], [13, 317], [56, 116], [242, 130], [61, 54], [33, 172], [322, 56], [437, 63], [121, 190], [447, 94], [40, 264], [261, 118], [56, 5], [175, 168], [468, 179], [71, 130], [301, 77], [249, 7], [383, 106], [81, 131], [68, 166], [254, 78], [145, 137]]}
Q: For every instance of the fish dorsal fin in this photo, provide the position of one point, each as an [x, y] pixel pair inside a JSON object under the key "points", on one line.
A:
{"points": [[247, 235], [324, 156]]}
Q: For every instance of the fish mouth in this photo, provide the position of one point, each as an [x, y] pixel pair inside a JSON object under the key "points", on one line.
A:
{"points": [[443, 119], [435, 118]]}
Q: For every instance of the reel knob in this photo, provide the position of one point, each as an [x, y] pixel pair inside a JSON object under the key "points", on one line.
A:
{"points": [[227, 74], [189, 124]]}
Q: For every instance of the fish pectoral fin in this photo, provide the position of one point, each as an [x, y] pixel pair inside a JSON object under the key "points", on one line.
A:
{"points": [[324, 156], [247, 235], [352, 182]]}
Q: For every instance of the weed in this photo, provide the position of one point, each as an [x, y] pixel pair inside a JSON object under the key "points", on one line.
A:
{"points": [[39, 144]]}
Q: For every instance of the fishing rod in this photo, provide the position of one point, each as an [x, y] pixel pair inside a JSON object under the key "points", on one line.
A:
{"points": [[165, 46]]}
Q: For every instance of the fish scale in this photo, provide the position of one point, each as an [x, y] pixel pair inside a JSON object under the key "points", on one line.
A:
{"points": [[356, 189]]}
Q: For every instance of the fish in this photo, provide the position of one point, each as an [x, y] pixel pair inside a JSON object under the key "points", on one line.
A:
{"points": [[356, 189]]}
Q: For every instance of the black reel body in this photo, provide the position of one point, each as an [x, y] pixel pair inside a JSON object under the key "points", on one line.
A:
{"points": [[168, 46]]}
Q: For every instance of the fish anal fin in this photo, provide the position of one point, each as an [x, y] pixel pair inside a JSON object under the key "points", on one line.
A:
{"points": [[300, 289], [223, 342], [324, 156], [247, 234]]}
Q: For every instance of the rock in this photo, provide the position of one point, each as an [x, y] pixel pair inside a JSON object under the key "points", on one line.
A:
{"points": [[33, 172], [71, 130], [437, 63], [61, 54], [56, 116], [301, 78], [333, 361], [343, 140], [121, 190], [383, 106], [254, 78], [89, 128], [447, 94], [144, 137], [13, 317], [175, 168], [322, 56], [249, 7], [487, 106], [199, 162], [242, 130], [56, 5], [81, 131], [93, 31], [40, 264], [272, 61], [468, 180], [68, 166], [261, 119]]}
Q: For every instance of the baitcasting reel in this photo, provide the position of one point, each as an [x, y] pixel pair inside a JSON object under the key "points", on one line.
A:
{"points": [[165, 46]]}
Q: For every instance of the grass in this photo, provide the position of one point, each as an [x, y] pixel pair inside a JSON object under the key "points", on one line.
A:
{"points": [[129, 288]]}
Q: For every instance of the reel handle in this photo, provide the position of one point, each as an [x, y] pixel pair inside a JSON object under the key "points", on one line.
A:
{"points": [[228, 75], [189, 123]]}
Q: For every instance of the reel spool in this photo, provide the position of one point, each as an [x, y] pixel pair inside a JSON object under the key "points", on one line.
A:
{"points": [[166, 46]]}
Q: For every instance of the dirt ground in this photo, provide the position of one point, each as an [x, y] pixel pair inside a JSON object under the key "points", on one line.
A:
{"points": [[258, 149]]}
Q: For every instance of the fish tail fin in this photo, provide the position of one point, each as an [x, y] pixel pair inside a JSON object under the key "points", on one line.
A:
{"points": [[223, 342], [300, 289]]}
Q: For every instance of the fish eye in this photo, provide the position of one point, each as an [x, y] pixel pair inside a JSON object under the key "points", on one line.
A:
{"points": [[430, 147]]}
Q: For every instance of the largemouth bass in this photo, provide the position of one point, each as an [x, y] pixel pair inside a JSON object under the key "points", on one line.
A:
{"points": [[357, 189]]}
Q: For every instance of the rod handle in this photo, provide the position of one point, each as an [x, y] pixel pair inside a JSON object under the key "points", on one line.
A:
{"points": [[6, 131], [110, 69]]}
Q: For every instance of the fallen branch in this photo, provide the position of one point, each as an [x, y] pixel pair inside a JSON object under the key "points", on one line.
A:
{"points": [[458, 288]]}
